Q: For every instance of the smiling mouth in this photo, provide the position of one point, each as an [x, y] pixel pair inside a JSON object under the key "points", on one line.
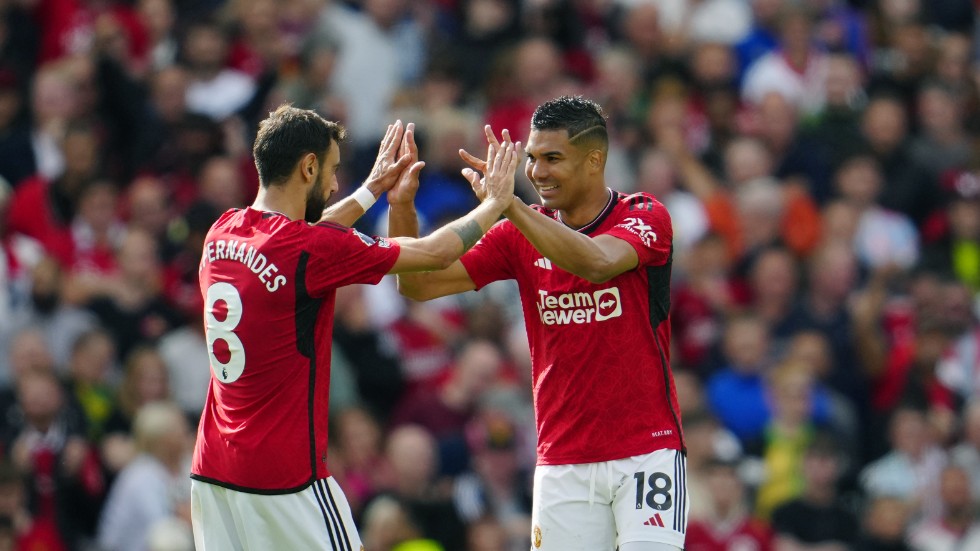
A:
{"points": [[547, 188]]}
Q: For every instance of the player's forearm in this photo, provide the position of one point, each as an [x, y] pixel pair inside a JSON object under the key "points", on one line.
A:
{"points": [[348, 210], [568, 249], [403, 221], [344, 212], [451, 241]]}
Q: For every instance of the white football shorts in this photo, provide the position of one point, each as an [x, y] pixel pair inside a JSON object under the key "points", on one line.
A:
{"points": [[600, 506], [315, 518]]}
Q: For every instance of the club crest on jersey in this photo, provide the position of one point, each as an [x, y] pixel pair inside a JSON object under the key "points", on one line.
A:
{"points": [[537, 537], [579, 308], [639, 227], [367, 239]]}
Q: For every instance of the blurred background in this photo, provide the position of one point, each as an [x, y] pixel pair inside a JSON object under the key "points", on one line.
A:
{"points": [[820, 159]]}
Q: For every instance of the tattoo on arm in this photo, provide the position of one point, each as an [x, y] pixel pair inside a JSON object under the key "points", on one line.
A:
{"points": [[469, 233]]}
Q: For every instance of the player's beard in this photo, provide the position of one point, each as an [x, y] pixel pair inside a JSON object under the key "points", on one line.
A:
{"points": [[315, 201]]}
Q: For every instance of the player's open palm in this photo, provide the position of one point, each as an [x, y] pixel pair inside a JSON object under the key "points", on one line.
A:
{"points": [[478, 165], [498, 182], [407, 184]]}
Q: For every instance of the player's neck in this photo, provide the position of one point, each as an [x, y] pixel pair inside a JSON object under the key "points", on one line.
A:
{"points": [[280, 199], [585, 211]]}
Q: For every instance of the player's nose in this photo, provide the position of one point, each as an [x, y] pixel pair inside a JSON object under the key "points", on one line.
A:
{"points": [[537, 171]]}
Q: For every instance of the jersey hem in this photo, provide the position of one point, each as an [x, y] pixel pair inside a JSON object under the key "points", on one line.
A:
{"points": [[600, 459], [677, 541], [248, 490]]}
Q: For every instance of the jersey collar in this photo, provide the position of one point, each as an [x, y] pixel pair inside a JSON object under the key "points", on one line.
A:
{"points": [[597, 221]]}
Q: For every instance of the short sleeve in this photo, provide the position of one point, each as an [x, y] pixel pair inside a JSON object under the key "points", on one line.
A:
{"points": [[340, 256], [646, 226], [488, 260]]}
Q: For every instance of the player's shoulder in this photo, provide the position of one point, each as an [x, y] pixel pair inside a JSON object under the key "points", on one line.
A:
{"points": [[329, 228], [641, 202], [225, 220]]}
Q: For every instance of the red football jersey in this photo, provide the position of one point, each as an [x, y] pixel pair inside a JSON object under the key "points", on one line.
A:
{"points": [[600, 353], [269, 285]]}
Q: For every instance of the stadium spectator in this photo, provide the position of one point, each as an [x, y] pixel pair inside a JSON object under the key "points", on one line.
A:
{"points": [[966, 454], [707, 443], [883, 238], [907, 188], [736, 393], [144, 380], [16, 153], [728, 524], [942, 143], [44, 207], [46, 442], [885, 525], [90, 369], [28, 531], [388, 526], [774, 283], [46, 310], [912, 469], [214, 89], [817, 520], [152, 487], [495, 487], [957, 526], [795, 407], [796, 70], [412, 455], [446, 410], [131, 305], [362, 469]]}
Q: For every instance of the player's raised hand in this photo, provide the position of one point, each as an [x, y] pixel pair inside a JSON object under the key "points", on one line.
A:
{"points": [[407, 184], [494, 146], [388, 166], [476, 162], [499, 180]]}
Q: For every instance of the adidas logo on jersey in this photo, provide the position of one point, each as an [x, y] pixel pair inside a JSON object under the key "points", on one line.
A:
{"points": [[655, 520], [543, 263]]}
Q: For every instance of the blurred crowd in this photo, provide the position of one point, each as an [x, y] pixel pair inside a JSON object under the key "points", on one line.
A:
{"points": [[819, 159]]}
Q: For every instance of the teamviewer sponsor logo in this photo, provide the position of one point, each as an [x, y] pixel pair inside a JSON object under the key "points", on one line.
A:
{"points": [[579, 308]]}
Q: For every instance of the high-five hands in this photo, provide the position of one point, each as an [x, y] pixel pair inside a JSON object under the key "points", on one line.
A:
{"points": [[388, 168], [500, 156], [407, 184]]}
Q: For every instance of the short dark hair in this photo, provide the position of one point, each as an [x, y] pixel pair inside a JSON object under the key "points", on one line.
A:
{"points": [[286, 136], [582, 118]]}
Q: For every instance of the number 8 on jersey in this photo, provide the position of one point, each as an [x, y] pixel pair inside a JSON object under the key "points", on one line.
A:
{"points": [[222, 314]]}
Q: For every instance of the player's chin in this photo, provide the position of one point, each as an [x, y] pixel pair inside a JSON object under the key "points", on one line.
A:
{"points": [[549, 201]]}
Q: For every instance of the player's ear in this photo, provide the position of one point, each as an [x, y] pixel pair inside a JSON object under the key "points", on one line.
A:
{"points": [[308, 166], [596, 160]]}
